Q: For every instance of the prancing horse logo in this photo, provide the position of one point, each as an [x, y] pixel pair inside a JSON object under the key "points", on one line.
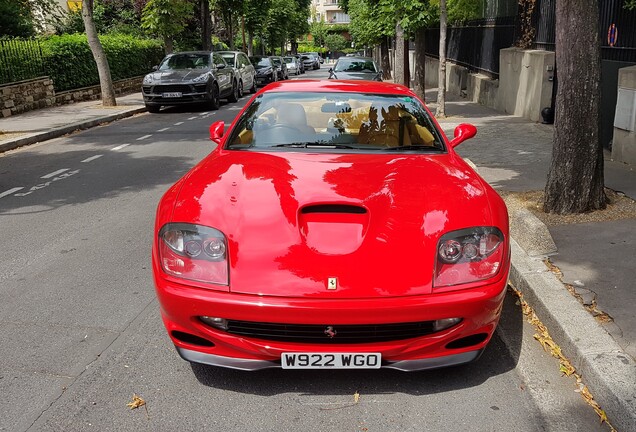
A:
{"points": [[330, 332]]}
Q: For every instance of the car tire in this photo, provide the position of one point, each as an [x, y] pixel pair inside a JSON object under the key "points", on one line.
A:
{"points": [[253, 89], [234, 96], [241, 91], [153, 108], [214, 102]]}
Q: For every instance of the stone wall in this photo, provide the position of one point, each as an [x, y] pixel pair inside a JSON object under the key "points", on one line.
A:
{"points": [[28, 95]]}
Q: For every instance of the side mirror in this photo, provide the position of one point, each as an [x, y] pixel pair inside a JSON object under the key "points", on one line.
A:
{"points": [[330, 70], [216, 131], [155, 67], [463, 132], [220, 66]]}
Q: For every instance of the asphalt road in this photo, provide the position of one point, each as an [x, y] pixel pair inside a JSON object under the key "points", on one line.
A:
{"points": [[80, 330]]}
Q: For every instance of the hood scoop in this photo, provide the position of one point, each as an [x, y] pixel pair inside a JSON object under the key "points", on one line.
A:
{"points": [[333, 229]]}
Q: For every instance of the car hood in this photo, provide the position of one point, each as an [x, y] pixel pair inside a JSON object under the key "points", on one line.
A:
{"points": [[356, 75], [177, 76], [298, 223]]}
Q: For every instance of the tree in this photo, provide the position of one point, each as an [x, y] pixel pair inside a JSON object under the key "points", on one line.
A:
{"points": [[167, 19], [105, 79], [16, 18], [206, 25], [575, 180], [255, 13], [441, 87], [370, 27]]}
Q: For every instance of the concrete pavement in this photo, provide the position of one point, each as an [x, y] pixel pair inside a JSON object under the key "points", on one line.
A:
{"points": [[513, 155]]}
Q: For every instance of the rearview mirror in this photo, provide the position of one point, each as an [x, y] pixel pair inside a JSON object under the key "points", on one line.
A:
{"points": [[216, 131], [463, 132]]}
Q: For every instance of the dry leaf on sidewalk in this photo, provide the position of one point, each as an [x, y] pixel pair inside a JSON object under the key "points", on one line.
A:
{"points": [[356, 397]]}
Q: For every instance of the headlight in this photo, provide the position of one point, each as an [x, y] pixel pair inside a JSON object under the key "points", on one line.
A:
{"points": [[194, 252], [148, 79], [200, 78], [468, 255]]}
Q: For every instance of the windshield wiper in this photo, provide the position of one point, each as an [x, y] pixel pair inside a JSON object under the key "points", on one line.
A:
{"points": [[315, 144], [413, 147]]}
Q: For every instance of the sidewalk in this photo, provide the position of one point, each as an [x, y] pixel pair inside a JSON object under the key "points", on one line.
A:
{"points": [[512, 154], [595, 258]]}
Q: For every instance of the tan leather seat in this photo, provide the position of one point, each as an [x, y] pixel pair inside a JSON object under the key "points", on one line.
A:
{"points": [[293, 115]]}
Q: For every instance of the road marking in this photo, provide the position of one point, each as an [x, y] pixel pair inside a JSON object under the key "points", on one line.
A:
{"points": [[10, 191], [119, 147], [192, 118], [54, 173], [143, 137], [92, 158], [163, 130], [234, 108], [203, 113], [178, 123]]}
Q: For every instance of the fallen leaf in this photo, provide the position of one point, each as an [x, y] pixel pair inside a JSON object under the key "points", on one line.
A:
{"points": [[136, 402], [356, 397]]}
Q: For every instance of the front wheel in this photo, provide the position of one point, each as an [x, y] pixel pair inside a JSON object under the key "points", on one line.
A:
{"points": [[234, 96], [214, 102], [253, 89], [240, 89]]}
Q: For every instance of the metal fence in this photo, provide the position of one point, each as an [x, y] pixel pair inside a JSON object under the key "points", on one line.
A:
{"points": [[20, 59], [616, 27], [475, 44]]}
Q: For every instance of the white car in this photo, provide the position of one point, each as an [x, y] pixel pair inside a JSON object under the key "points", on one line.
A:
{"points": [[292, 65]]}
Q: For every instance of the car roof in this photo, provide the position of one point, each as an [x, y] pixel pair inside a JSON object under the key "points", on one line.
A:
{"points": [[338, 86]]}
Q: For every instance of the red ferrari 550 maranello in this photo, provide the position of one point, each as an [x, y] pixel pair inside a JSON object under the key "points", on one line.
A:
{"points": [[333, 226]]}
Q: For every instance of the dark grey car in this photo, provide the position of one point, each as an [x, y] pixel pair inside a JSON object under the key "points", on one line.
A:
{"points": [[189, 77], [243, 68], [356, 68]]}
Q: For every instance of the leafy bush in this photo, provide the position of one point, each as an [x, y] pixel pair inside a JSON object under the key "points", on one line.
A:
{"points": [[69, 62]]}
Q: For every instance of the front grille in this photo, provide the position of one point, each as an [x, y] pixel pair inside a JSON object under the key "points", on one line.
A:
{"points": [[317, 334], [174, 88]]}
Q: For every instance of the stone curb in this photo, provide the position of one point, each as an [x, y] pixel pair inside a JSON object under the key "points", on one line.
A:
{"points": [[63, 130], [609, 372]]}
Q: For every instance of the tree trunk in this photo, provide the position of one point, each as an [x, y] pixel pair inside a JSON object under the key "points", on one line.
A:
{"points": [[401, 73], [206, 26], [441, 87], [419, 84], [250, 43], [105, 80], [168, 45], [384, 55], [243, 31], [575, 180]]}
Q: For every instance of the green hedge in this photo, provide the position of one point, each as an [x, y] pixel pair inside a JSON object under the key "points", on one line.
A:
{"points": [[20, 59], [69, 62]]}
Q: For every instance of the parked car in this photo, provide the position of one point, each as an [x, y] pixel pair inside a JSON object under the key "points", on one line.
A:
{"points": [[189, 77], [316, 59], [310, 61], [292, 65], [301, 65], [356, 68], [243, 69], [280, 64], [266, 72], [319, 233]]}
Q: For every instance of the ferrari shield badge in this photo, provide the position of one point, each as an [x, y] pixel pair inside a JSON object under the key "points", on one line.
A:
{"points": [[332, 283]]}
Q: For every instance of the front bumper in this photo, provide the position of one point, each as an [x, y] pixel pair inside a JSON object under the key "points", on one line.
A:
{"points": [[253, 365], [181, 305], [157, 94]]}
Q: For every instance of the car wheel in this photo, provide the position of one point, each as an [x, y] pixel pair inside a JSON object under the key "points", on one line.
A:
{"points": [[253, 89], [240, 89], [153, 108], [214, 102], [234, 96]]}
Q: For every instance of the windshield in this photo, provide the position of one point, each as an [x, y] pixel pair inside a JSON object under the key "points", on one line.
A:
{"points": [[229, 58], [351, 121], [355, 65], [261, 62], [289, 59], [185, 61], [276, 61]]}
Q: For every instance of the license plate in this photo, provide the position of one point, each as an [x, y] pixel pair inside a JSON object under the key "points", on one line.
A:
{"points": [[331, 360], [172, 95]]}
